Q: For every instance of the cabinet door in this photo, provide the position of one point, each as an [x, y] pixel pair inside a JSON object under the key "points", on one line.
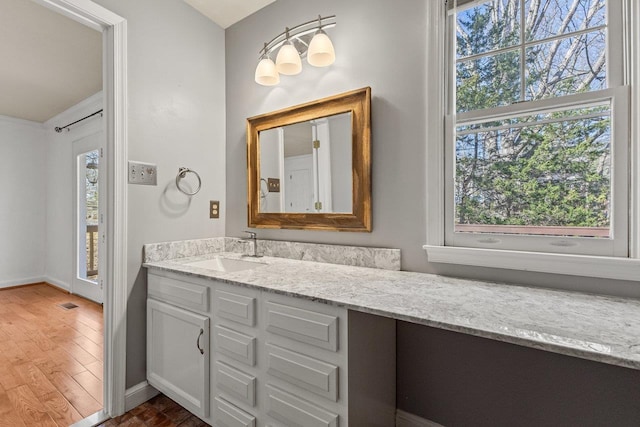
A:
{"points": [[178, 355]]}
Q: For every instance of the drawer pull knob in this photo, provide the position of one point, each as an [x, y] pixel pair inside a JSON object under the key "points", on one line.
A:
{"points": [[198, 341]]}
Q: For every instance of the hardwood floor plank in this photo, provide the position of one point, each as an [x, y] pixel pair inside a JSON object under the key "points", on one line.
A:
{"points": [[91, 384], [59, 408], [35, 379], [29, 408], [81, 400], [14, 354], [66, 362], [89, 346], [9, 378], [78, 353], [96, 368], [31, 351], [42, 341]]}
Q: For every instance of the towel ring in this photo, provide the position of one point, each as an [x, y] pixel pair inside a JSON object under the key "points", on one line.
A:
{"points": [[182, 172]]}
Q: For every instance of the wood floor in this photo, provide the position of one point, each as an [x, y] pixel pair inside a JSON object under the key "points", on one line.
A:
{"points": [[50, 357], [157, 412]]}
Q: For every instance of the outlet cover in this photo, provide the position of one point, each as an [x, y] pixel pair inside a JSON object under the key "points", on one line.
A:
{"points": [[214, 209], [143, 173]]}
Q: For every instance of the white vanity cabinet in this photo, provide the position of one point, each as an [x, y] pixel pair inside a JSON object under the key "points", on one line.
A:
{"points": [[274, 360], [178, 354]]}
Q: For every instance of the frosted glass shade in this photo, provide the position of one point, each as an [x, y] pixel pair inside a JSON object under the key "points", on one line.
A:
{"points": [[266, 73], [321, 53], [288, 60]]}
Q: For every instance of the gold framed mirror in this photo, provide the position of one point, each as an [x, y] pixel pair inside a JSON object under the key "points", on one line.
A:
{"points": [[309, 166]]}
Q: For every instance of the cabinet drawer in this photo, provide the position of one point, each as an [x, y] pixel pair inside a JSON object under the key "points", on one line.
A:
{"points": [[228, 415], [238, 346], [183, 294], [239, 308], [320, 330], [294, 411], [306, 372], [236, 383]]}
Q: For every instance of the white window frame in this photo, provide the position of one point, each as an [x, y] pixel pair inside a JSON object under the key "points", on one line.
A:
{"points": [[614, 264]]}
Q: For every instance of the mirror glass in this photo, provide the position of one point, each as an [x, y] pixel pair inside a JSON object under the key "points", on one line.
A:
{"points": [[306, 167], [309, 165]]}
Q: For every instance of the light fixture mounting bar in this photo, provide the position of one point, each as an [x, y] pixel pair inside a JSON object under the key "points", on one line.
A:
{"points": [[298, 31]]}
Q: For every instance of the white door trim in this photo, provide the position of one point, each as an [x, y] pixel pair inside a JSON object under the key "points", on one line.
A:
{"points": [[114, 30]]}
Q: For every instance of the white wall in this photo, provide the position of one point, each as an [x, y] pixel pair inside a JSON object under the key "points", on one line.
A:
{"points": [[22, 205], [60, 180], [176, 102]]}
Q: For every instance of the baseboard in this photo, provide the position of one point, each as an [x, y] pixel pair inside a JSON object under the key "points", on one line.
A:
{"points": [[405, 419], [138, 394], [21, 282], [58, 284]]}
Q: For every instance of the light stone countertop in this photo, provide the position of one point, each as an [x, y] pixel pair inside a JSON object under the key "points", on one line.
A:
{"points": [[598, 328]]}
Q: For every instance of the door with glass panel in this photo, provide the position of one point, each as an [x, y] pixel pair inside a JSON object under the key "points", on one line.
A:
{"points": [[88, 217]]}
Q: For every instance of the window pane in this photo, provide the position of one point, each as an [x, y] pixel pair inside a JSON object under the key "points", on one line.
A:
{"points": [[566, 66], [522, 176], [488, 82], [487, 27], [548, 18]]}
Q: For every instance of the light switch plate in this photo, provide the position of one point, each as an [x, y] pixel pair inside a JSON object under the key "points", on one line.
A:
{"points": [[274, 185], [143, 173]]}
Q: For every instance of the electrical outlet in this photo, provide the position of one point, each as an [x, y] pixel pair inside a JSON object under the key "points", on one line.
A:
{"points": [[143, 173], [214, 209]]}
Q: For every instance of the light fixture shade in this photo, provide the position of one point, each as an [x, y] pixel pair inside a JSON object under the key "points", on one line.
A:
{"points": [[266, 73], [321, 52], [288, 60]]}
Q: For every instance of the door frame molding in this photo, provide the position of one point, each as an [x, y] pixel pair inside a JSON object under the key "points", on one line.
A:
{"points": [[114, 53]]}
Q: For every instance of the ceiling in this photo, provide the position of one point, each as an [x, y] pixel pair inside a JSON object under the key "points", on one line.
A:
{"points": [[49, 62], [227, 12]]}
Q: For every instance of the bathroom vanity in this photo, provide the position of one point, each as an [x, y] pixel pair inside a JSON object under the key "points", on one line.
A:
{"points": [[236, 356], [243, 341]]}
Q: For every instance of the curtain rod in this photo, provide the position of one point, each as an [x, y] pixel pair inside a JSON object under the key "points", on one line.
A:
{"points": [[60, 129]]}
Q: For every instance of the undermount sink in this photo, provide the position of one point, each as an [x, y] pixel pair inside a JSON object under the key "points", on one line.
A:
{"points": [[225, 264]]}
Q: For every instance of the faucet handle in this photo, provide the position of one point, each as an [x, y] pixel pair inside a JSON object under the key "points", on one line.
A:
{"points": [[252, 234]]}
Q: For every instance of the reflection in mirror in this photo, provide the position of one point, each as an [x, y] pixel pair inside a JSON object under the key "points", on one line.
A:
{"points": [[306, 167]]}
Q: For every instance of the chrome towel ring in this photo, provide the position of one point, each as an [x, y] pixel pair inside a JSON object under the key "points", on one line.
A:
{"points": [[182, 172]]}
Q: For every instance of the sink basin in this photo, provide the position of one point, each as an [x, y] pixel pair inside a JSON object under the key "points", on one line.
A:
{"points": [[225, 264]]}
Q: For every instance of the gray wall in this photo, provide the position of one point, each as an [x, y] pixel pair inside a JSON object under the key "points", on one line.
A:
{"points": [[382, 44], [176, 118], [461, 380]]}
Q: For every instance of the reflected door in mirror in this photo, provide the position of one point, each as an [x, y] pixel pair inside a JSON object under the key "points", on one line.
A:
{"points": [[312, 161]]}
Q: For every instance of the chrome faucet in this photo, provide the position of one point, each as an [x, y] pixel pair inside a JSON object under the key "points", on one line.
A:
{"points": [[254, 238]]}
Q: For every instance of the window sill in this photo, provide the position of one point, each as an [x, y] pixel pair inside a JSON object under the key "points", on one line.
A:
{"points": [[574, 265]]}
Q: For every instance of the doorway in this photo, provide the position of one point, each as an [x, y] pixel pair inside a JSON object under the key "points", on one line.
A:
{"points": [[114, 273]]}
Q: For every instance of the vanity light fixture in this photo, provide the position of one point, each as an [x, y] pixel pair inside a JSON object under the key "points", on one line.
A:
{"points": [[308, 39]]}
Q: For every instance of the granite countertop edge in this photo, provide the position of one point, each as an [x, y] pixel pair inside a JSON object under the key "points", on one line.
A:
{"points": [[595, 345]]}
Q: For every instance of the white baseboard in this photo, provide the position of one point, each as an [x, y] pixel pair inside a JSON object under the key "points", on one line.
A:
{"points": [[58, 284], [138, 394], [405, 419], [23, 281]]}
